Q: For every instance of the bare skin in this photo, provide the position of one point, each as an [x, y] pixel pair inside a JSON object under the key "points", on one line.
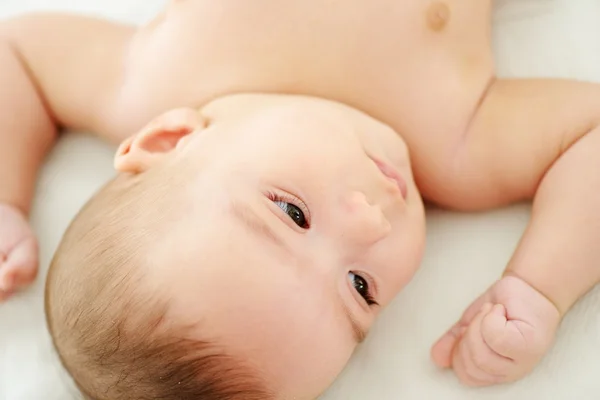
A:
{"points": [[425, 68]]}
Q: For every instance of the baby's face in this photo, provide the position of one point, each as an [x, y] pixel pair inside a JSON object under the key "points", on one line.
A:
{"points": [[302, 222]]}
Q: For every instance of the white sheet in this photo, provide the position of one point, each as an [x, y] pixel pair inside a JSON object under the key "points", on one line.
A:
{"points": [[465, 254]]}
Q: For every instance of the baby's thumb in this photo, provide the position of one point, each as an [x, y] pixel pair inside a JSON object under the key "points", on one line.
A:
{"points": [[441, 352]]}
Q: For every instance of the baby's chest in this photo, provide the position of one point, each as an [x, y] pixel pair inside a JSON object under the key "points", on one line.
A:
{"points": [[401, 61]]}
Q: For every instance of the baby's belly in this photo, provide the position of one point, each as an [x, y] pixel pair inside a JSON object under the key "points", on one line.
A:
{"points": [[417, 65]]}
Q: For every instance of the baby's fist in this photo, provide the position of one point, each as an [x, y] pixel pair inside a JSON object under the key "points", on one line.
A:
{"points": [[502, 335], [18, 251]]}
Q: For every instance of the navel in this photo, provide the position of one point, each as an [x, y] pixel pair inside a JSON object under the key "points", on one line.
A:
{"points": [[438, 16]]}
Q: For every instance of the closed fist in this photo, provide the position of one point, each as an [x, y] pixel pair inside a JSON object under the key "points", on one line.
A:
{"points": [[501, 337], [18, 251]]}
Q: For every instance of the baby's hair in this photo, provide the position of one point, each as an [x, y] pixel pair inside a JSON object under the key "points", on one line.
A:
{"points": [[114, 334]]}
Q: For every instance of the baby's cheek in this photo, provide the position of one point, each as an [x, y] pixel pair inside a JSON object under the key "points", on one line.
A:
{"points": [[305, 373], [394, 280], [399, 266]]}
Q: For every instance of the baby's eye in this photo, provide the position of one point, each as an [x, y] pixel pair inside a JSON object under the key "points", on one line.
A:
{"points": [[361, 285], [293, 207], [294, 212]]}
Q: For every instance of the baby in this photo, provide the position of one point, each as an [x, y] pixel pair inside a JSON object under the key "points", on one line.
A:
{"points": [[266, 209]]}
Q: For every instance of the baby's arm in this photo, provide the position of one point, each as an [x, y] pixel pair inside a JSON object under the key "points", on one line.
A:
{"points": [[55, 70], [541, 139]]}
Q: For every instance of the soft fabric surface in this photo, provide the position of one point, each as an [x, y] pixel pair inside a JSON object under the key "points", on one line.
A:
{"points": [[466, 252]]}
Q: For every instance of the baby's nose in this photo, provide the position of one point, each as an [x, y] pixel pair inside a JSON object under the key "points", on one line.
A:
{"points": [[363, 222]]}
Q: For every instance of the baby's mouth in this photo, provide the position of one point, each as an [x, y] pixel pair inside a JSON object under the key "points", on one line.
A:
{"points": [[392, 174]]}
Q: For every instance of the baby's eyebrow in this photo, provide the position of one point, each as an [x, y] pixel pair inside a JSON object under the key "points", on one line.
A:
{"points": [[254, 223]]}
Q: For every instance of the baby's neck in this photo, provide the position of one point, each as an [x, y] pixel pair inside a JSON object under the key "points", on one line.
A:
{"points": [[239, 105]]}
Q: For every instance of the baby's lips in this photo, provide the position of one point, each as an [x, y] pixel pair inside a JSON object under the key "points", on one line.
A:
{"points": [[394, 175]]}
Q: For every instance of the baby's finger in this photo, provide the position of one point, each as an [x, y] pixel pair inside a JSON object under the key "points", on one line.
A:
{"points": [[482, 356], [5, 295], [471, 361], [5, 291], [501, 336], [441, 352], [21, 266], [464, 368]]}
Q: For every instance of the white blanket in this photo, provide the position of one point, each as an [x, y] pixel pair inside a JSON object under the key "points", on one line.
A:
{"points": [[465, 252]]}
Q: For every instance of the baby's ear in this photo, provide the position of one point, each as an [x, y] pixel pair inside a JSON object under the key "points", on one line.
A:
{"points": [[164, 135]]}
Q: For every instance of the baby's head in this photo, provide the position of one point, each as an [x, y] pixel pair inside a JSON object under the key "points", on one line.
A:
{"points": [[243, 253]]}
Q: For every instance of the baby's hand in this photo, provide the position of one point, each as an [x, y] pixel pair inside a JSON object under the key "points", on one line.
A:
{"points": [[502, 335], [18, 251]]}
